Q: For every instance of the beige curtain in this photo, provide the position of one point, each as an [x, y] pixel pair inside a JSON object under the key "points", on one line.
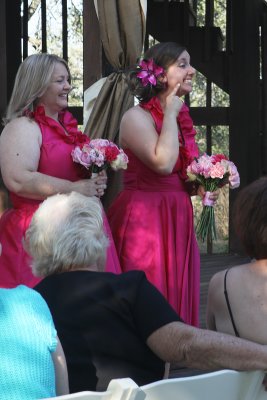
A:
{"points": [[122, 31]]}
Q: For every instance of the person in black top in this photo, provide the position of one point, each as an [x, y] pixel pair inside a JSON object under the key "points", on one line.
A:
{"points": [[115, 326]]}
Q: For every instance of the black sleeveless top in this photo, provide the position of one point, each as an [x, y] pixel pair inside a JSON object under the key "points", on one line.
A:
{"points": [[228, 305]]}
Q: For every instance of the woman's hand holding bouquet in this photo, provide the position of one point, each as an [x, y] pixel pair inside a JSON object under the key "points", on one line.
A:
{"points": [[211, 172]]}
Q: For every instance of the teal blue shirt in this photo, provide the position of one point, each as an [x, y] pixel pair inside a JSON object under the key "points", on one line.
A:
{"points": [[27, 339]]}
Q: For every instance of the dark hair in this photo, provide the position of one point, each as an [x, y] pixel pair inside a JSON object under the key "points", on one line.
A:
{"points": [[250, 218], [164, 55]]}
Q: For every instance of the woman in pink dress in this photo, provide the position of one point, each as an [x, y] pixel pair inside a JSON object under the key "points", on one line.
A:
{"points": [[35, 159], [152, 218]]}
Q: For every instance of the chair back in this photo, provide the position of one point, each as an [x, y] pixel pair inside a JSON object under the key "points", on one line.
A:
{"points": [[118, 389], [220, 385]]}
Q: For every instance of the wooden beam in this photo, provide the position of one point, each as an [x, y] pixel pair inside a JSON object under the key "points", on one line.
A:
{"points": [[10, 46], [214, 115], [78, 113], [92, 47], [244, 91], [3, 60], [264, 89]]}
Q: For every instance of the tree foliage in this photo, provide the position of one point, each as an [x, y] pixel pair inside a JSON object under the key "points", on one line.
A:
{"points": [[54, 38]]}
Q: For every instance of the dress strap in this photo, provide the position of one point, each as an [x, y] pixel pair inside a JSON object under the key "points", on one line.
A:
{"points": [[228, 305]]}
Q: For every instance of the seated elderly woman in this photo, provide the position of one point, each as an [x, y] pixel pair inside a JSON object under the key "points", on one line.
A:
{"points": [[33, 364], [115, 326], [237, 297]]}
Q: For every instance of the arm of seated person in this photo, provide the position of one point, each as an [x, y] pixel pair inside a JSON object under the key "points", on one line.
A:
{"points": [[61, 372], [215, 300], [204, 349]]}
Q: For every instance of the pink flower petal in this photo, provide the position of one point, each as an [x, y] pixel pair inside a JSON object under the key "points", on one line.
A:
{"points": [[142, 74], [144, 65], [152, 80]]}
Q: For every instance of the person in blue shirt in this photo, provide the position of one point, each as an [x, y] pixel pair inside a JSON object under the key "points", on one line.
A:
{"points": [[32, 363]]}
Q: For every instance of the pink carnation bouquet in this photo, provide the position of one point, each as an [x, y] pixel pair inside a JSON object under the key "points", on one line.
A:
{"points": [[212, 172], [99, 154]]}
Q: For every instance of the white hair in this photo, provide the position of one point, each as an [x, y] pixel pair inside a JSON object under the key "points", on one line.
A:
{"points": [[66, 233]]}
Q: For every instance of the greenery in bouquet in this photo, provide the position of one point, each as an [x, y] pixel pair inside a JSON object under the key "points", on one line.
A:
{"points": [[212, 172]]}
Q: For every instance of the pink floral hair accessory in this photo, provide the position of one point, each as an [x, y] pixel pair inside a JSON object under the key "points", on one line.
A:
{"points": [[149, 72]]}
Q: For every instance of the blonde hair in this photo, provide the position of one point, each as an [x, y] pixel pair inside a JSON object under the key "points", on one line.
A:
{"points": [[66, 233], [32, 79]]}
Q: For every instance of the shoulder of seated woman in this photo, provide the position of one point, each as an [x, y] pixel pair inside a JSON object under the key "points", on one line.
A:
{"points": [[217, 278]]}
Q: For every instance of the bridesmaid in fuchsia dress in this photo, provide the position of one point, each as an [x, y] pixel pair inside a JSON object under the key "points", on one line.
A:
{"points": [[36, 162], [152, 218]]}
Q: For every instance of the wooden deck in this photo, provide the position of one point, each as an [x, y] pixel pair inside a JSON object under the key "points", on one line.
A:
{"points": [[210, 264]]}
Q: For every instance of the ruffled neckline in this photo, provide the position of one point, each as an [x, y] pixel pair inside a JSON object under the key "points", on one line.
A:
{"points": [[66, 123], [154, 103]]}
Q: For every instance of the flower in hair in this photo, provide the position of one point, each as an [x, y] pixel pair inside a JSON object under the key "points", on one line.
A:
{"points": [[149, 72]]}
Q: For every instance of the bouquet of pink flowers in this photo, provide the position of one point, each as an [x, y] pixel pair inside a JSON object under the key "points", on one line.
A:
{"points": [[211, 172], [99, 154]]}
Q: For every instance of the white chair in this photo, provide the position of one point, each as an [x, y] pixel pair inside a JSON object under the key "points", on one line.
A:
{"points": [[220, 385], [118, 389]]}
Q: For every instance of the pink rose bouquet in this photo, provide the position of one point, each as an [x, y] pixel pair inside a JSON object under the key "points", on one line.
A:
{"points": [[99, 154], [211, 172]]}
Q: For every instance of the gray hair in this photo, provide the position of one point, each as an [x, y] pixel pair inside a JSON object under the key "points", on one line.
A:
{"points": [[66, 233], [32, 79]]}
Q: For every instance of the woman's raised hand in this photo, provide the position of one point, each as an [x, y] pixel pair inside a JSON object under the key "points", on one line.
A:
{"points": [[173, 102]]}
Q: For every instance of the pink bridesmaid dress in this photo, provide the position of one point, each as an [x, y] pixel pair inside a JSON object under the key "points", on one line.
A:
{"points": [[152, 222], [56, 161]]}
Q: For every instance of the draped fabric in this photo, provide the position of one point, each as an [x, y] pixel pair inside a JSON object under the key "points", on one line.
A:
{"points": [[122, 31]]}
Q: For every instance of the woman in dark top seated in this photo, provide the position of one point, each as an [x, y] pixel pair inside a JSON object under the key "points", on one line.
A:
{"points": [[237, 297], [114, 326]]}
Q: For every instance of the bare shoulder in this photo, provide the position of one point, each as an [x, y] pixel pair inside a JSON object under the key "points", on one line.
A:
{"points": [[136, 124], [21, 126], [216, 284], [20, 123], [136, 114], [218, 277]]}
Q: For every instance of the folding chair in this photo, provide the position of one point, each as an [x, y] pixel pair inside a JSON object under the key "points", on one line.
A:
{"points": [[220, 385], [118, 389]]}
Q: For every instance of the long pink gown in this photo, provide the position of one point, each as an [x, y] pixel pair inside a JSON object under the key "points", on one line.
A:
{"points": [[55, 160], [152, 223]]}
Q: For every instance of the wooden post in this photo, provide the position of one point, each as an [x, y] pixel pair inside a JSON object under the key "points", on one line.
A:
{"points": [[3, 60], [92, 47], [244, 85], [10, 45]]}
